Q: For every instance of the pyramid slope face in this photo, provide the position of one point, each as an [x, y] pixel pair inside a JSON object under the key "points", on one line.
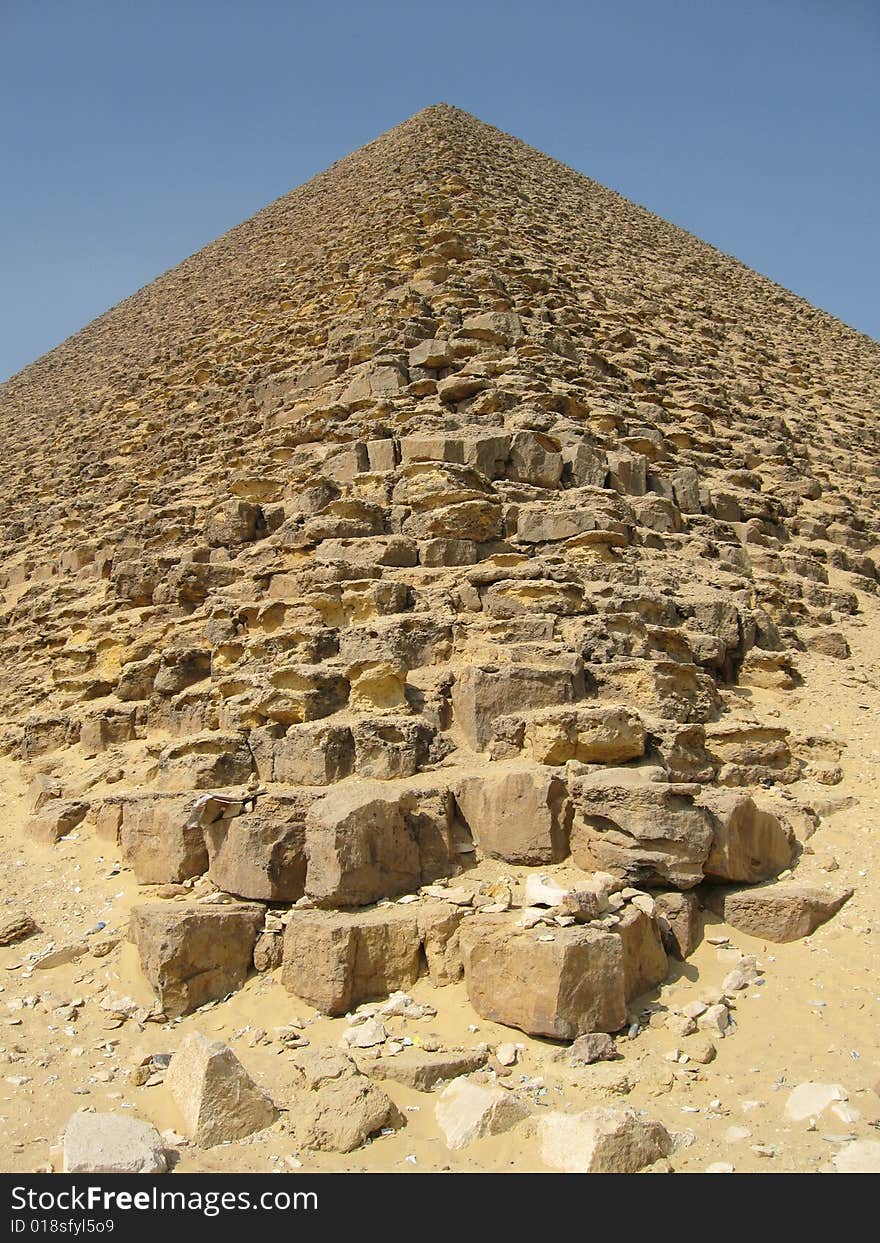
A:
{"points": [[455, 503]]}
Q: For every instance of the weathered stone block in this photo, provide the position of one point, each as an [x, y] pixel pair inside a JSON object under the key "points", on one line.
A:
{"points": [[336, 959], [193, 954], [261, 854], [204, 762], [644, 958], [520, 815], [749, 844], [158, 842], [780, 911], [217, 1098], [562, 988], [480, 694], [647, 832], [678, 915], [359, 847]]}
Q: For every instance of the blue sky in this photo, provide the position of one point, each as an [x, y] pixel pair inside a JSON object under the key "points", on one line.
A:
{"points": [[131, 134]]}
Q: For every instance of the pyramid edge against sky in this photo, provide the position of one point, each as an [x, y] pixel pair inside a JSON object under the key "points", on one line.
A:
{"points": [[408, 590]]}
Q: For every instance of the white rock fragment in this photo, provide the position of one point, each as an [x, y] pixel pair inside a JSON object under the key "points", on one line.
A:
{"points": [[507, 1054], [542, 891], [810, 1100], [364, 1035], [601, 1141], [217, 1098], [862, 1156], [108, 1143], [466, 1111]]}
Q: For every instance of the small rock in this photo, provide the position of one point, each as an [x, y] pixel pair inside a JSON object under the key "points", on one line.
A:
{"points": [[702, 1050], [336, 1108], [862, 1156], [591, 1047], [364, 1035], [507, 1054], [715, 1019], [15, 926]]}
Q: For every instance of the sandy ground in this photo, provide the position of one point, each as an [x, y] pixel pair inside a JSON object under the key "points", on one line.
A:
{"points": [[813, 1018]]}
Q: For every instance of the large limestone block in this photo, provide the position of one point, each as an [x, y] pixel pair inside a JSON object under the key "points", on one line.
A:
{"points": [[496, 327], [784, 911], [749, 844], [481, 694], [466, 1111], [429, 486], [592, 735], [194, 953], [672, 689], [43, 734], [647, 832], [335, 1108], [477, 520], [107, 729], [336, 959], [432, 817], [432, 353], [562, 988], [205, 761], [602, 1141], [539, 524], [520, 597], [585, 464], [217, 1098], [159, 843], [261, 853], [55, 819], [359, 847], [535, 458], [234, 522], [644, 958], [390, 747], [313, 754], [368, 551], [109, 1143], [370, 381], [519, 815], [628, 472]]}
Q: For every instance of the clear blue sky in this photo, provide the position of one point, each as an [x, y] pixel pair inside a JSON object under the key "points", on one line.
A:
{"points": [[132, 133]]}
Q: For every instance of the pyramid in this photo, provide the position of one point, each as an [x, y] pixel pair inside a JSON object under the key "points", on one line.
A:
{"points": [[440, 533]]}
